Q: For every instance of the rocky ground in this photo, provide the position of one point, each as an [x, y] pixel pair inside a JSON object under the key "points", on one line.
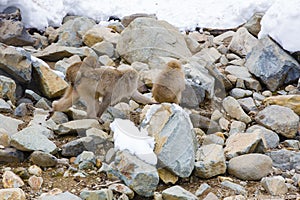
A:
{"points": [[234, 136]]}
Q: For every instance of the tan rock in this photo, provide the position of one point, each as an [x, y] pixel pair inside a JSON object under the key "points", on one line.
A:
{"points": [[11, 180], [7, 88], [35, 182], [290, 101], [99, 34], [166, 176], [12, 194], [35, 170]]}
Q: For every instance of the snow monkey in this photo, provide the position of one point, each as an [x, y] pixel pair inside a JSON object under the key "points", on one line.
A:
{"points": [[90, 82], [169, 83]]}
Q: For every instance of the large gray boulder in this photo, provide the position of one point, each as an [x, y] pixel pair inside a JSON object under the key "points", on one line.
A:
{"points": [[272, 65], [145, 39]]}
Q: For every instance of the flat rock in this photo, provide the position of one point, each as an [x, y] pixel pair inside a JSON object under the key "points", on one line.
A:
{"points": [[272, 65], [11, 180], [7, 88], [59, 196], [138, 175], [77, 126], [170, 43], [104, 48], [29, 140], [213, 53], [210, 161], [237, 127], [275, 185], [178, 193], [55, 53], [248, 104], [242, 42], [9, 124], [98, 34], [243, 143], [122, 189], [233, 108], [238, 189], [250, 166], [5, 107], [12, 194], [15, 63], [271, 138], [175, 141], [76, 147], [238, 93], [43, 159], [285, 124]]}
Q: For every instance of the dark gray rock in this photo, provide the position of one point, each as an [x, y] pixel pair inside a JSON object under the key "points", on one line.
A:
{"points": [[192, 96], [11, 155], [272, 65], [285, 159], [76, 147]]}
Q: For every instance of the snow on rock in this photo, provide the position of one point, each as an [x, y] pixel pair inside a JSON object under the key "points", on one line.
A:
{"points": [[282, 23], [128, 136]]}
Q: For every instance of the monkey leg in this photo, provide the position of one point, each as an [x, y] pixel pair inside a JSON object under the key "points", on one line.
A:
{"points": [[66, 101], [92, 104], [106, 100], [138, 97]]}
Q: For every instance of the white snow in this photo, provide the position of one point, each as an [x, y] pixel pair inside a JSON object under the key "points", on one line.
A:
{"points": [[281, 20], [128, 137]]}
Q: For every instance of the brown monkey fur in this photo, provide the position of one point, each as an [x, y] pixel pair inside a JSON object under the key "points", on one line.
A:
{"points": [[90, 82], [169, 84]]}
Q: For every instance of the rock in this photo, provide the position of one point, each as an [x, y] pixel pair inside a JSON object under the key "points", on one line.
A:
{"points": [[34, 97], [204, 123], [35, 170], [175, 141], [14, 62], [192, 95], [38, 129], [284, 159], [55, 53], [11, 180], [39, 119], [35, 182], [253, 24], [62, 65], [178, 193], [75, 147], [235, 197], [210, 161], [272, 65], [104, 48], [285, 124], [238, 93], [238, 189], [237, 127], [192, 44], [250, 166], [11, 155], [7, 88], [126, 20], [171, 42], [9, 124], [290, 101], [99, 34], [224, 38], [59, 117], [211, 196], [14, 33], [274, 185], [43, 104], [122, 189], [212, 139], [43, 159], [202, 189], [233, 108], [4, 138], [85, 160], [242, 42], [12, 194], [224, 124], [294, 144], [138, 175], [77, 126], [71, 33], [49, 82], [106, 61], [166, 176], [210, 55], [257, 96], [103, 194], [271, 138], [23, 109], [243, 143], [248, 104], [30, 140], [58, 196], [5, 107]]}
